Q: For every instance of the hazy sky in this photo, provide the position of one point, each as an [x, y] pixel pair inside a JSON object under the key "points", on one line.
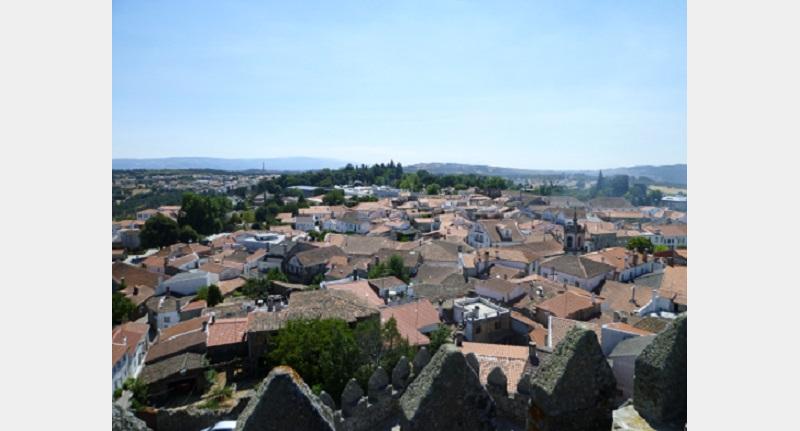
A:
{"points": [[528, 84]]}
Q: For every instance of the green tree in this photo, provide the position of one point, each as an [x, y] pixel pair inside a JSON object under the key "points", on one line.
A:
{"points": [[138, 390], [276, 274], [441, 335], [202, 294], [433, 189], [640, 244], [333, 197], [396, 267], [324, 352], [159, 231], [121, 308], [206, 214], [187, 235], [214, 295]]}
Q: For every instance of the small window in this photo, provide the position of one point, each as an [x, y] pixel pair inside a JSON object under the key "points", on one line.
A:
{"points": [[166, 319], [477, 329]]}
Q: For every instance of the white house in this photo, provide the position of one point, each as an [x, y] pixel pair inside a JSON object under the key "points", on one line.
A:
{"points": [[576, 271], [490, 233], [670, 235], [499, 290], [187, 283], [304, 223], [623, 361], [129, 343], [349, 222]]}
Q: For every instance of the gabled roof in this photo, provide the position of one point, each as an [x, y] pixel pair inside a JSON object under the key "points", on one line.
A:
{"points": [[226, 331], [359, 288], [177, 364], [578, 266], [125, 337], [411, 317], [618, 296], [567, 303], [182, 328], [134, 275], [164, 349], [319, 255], [386, 282], [143, 293], [314, 304], [498, 285]]}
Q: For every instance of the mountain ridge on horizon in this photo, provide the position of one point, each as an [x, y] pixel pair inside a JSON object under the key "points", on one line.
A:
{"points": [[673, 173]]}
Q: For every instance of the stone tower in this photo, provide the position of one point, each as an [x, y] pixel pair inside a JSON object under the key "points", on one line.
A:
{"points": [[574, 235]]}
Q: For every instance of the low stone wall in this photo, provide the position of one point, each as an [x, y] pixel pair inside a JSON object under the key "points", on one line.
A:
{"points": [[192, 418]]}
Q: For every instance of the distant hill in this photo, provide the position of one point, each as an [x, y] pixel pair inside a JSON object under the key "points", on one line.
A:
{"points": [[671, 174], [273, 164]]}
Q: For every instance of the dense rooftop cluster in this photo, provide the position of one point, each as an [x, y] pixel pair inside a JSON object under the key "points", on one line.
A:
{"points": [[531, 296]]}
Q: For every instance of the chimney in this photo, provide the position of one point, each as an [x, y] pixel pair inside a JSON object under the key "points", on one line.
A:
{"points": [[655, 295], [594, 299], [205, 325], [122, 281], [458, 337], [135, 290], [633, 294], [617, 317], [505, 276], [177, 305], [635, 259], [532, 351]]}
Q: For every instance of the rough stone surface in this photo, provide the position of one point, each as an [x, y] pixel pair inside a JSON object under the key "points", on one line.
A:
{"points": [[378, 385], [574, 389], [327, 399], [401, 373], [498, 379], [447, 395], [473, 362], [659, 385], [350, 397], [284, 401], [194, 418], [124, 420], [421, 359], [524, 384]]}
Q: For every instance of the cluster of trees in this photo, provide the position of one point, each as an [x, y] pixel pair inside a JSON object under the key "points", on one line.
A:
{"points": [[422, 179], [644, 245], [381, 174], [394, 266], [200, 215], [327, 352], [639, 195], [127, 207]]}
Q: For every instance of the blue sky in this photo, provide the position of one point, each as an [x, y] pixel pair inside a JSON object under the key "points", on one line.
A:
{"points": [[527, 84]]}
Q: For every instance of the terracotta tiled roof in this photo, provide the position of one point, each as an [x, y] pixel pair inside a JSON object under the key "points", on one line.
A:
{"points": [[314, 304], [411, 317], [160, 370], [181, 328], [143, 293], [134, 275], [125, 337], [164, 349], [226, 331], [618, 296], [360, 288], [195, 305], [578, 266], [228, 286], [567, 303]]}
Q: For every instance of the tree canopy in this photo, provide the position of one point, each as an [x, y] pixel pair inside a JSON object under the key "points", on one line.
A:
{"points": [[640, 244], [159, 231], [205, 214]]}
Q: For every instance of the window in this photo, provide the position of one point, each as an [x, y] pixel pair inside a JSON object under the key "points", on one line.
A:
{"points": [[166, 319], [497, 325], [477, 329]]}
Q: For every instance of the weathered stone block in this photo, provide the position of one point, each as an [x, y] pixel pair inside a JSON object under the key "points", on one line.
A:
{"points": [[447, 394], [284, 401]]}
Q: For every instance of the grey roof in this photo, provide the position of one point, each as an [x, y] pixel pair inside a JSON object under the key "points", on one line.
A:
{"points": [[174, 365], [577, 266], [188, 276], [314, 304], [652, 280], [631, 346], [318, 256], [491, 227]]}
